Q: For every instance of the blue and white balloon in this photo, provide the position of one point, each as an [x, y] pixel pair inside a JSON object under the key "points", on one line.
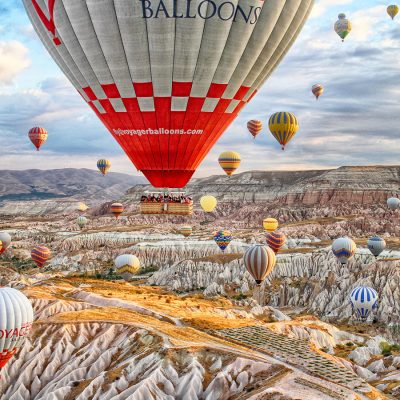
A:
{"points": [[364, 300]]}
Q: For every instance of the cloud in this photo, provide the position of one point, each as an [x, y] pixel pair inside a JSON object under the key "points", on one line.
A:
{"points": [[13, 60]]}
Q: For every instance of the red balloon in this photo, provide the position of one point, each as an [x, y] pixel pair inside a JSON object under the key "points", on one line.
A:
{"points": [[275, 240], [38, 136], [40, 254]]}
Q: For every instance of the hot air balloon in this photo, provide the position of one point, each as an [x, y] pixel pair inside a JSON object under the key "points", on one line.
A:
{"points": [[222, 238], [275, 240], [283, 126], [344, 249], [127, 263], [364, 300], [82, 207], [393, 10], [117, 209], [270, 224], [81, 221], [38, 136], [5, 240], [167, 77], [186, 231], [229, 161], [376, 245], [40, 254], [259, 260], [317, 90], [342, 26], [104, 166], [255, 127], [16, 317], [208, 203], [393, 203]]}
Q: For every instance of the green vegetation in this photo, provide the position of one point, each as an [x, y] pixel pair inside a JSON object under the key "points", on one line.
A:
{"points": [[388, 349]]}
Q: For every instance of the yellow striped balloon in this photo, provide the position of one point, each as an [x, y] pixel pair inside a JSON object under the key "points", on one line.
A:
{"points": [[104, 165], [255, 127], [270, 224], [393, 10], [229, 161], [283, 125]]}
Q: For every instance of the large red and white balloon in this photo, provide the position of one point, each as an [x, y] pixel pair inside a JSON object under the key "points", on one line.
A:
{"points": [[167, 77], [16, 317]]}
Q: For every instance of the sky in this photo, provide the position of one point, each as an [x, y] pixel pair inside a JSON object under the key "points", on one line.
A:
{"points": [[355, 122]]}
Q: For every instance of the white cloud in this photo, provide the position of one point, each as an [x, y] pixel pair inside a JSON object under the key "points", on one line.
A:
{"points": [[13, 60]]}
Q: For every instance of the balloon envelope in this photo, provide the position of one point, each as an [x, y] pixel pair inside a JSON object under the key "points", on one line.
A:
{"points": [[393, 203], [229, 161], [104, 166], [117, 209], [82, 207], [167, 77], [344, 249], [186, 231], [127, 263], [342, 26], [364, 300], [16, 317], [376, 245], [393, 10], [275, 240], [81, 221], [283, 126], [208, 203], [5, 240], [270, 224], [40, 254], [259, 260], [38, 136], [317, 90], [255, 127], [222, 238]]}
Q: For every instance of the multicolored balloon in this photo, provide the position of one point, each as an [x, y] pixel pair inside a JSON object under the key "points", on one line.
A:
{"points": [[364, 300], [270, 224], [167, 78], [342, 26], [5, 240], [260, 261], [276, 240], [81, 221], [40, 254], [376, 245], [127, 263], [255, 127], [223, 238], [104, 166], [317, 90], [229, 161], [117, 209], [393, 10], [16, 318], [344, 249], [208, 203], [38, 136], [393, 203], [186, 231], [283, 126]]}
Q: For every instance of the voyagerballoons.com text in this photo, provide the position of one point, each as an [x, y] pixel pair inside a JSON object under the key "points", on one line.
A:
{"points": [[159, 131]]}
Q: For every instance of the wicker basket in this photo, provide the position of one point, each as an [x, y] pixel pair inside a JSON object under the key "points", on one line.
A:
{"points": [[167, 208]]}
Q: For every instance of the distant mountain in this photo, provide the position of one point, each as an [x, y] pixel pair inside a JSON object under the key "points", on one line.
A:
{"points": [[366, 184], [82, 184]]}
